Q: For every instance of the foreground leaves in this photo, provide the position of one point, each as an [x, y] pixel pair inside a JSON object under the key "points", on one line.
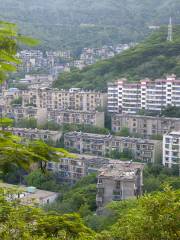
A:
{"points": [[156, 217], [18, 222], [23, 153]]}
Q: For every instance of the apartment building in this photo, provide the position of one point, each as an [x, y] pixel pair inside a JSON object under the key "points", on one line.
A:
{"points": [[93, 118], [144, 125], [118, 181], [37, 80], [146, 94], [36, 134], [100, 145], [18, 113], [8, 95], [70, 170], [171, 149], [73, 99]]}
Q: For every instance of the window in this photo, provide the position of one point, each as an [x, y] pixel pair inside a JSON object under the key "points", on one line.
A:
{"points": [[99, 180], [117, 184]]}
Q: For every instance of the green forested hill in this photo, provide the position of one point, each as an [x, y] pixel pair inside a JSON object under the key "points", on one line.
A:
{"points": [[81, 23], [153, 58]]}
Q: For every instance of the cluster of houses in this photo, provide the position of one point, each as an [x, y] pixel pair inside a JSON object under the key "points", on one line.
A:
{"points": [[56, 62], [151, 139]]}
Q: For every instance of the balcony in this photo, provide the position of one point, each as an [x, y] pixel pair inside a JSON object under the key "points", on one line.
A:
{"points": [[99, 199], [116, 197], [100, 185]]}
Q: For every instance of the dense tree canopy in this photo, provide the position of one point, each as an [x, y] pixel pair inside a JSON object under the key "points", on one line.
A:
{"points": [[30, 223], [155, 217], [73, 24]]}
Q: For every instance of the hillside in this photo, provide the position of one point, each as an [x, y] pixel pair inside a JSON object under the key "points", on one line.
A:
{"points": [[81, 23], [153, 58]]}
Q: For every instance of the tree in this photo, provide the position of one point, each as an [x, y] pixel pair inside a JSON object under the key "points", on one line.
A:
{"points": [[156, 216], [5, 122], [80, 198], [45, 181], [18, 221], [9, 40], [26, 123], [14, 152], [124, 132], [17, 101]]}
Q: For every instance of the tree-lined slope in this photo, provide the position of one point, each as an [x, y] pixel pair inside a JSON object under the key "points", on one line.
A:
{"points": [[80, 23], [153, 58]]}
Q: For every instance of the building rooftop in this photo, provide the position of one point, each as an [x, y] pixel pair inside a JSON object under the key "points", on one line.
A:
{"points": [[173, 133], [28, 195], [107, 137], [73, 111], [30, 130], [144, 116], [120, 169]]}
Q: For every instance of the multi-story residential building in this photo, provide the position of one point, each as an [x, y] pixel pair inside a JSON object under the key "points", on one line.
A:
{"points": [[18, 113], [144, 125], [93, 118], [73, 99], [37, 80], [33, 60], [101, 145], [171, 149], [70, 170], [131, 96], [146, 94], [113, 106], [119, 181], [8, 95], [36, 134]]}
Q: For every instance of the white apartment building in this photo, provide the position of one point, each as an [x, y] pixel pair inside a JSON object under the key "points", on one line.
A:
{"points": [[171, 149], [124, 97]]}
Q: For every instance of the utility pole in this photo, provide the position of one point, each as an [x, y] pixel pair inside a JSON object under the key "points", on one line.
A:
{"points": [[170, 31]]}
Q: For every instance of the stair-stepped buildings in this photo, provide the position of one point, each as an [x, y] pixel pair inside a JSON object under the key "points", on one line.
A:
{"points": [[73, 106]]}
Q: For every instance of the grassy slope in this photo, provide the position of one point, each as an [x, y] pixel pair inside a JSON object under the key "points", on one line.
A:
{"points": [[153, 58]]}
